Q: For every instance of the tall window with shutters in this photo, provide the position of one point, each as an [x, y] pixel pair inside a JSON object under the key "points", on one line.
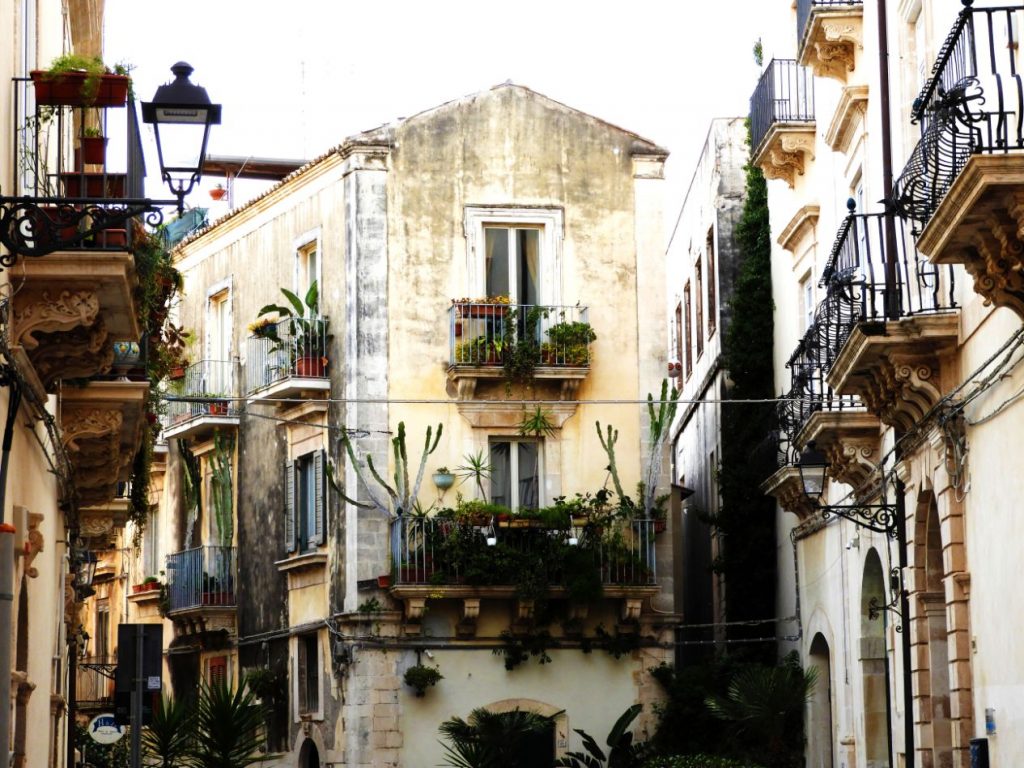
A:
{"points": [[712, 279], [308, 675], [305, 502], [217, 670]]}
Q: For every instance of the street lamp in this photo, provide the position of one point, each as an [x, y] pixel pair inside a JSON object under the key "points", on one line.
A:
{"points": [[880, 518], [181, 115], [86, 574], [812, 466]]}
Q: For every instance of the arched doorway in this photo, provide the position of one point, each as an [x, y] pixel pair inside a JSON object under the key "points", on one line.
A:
{"points": [[874, 664], [820, 721], [933, 602], [309, 755]]}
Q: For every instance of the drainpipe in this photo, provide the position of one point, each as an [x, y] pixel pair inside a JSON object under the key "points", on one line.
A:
{"points": [[892, 295], [7, 532]]}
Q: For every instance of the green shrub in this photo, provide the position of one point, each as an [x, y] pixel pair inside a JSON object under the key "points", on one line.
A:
{"points": [[697, 761]]}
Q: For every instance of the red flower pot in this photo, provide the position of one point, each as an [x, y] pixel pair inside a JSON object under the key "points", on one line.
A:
{"points": [[110, 185], [92, 151], [67, 89], [310, 366]]}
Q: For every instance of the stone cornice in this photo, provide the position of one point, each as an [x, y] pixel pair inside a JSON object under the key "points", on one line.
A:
{"points": [[849, 114], [803, 222]]}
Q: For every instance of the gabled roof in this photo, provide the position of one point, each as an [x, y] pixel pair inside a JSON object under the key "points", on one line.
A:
{"points": [[383, 136]]}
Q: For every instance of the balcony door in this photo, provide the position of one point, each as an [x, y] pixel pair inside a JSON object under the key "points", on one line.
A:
{"points": [[512, 263], [218, 342]]}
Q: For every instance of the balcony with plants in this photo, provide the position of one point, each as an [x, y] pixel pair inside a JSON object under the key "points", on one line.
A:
{"points": [[201, 401], [578, 550], [829, 33], [287, 355], [199, 579], [782, 120], [492, 339], [961, 184]]}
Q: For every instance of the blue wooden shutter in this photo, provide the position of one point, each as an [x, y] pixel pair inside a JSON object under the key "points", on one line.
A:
{"points": [[319, 499], [289, 507]]}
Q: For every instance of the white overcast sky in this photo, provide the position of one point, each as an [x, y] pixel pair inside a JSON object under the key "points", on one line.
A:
{"points": [[297, 77]]}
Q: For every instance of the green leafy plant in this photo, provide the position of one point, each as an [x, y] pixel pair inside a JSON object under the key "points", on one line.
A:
{"points": [[420, 677], [226, 726], [623, 752], [476, 467], [92, 66], [371, 607], [493, 739], [521, 345], [538, 423], [307, 329], [190, 486], [570, 342], [167, 741], [516, 649]]}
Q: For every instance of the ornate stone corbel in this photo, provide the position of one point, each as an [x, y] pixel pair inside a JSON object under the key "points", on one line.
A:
{"points": [[470, 613], [415, 608], [42, 312], [631, 609], [33, 544], [79, 423]]}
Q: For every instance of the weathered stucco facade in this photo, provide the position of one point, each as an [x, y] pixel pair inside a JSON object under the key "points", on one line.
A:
{"points": [[398, 218]]}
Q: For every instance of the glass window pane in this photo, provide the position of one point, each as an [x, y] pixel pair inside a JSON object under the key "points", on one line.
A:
{"points": [[501, 474], [527, 265], [496, 250], [529, 475]]}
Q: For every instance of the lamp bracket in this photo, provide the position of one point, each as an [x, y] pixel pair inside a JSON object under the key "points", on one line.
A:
{"points": [[37, 226], [880, 518]]}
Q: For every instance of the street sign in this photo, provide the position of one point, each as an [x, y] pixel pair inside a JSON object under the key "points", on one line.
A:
{"points": [[126, 672], [104, 730]]}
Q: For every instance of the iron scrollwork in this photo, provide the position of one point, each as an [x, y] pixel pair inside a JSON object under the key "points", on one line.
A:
{"points": [[880, 518], [876, 608], [36, 227]]}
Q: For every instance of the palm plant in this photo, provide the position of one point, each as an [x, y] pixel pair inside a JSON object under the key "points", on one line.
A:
{"points": [[476, 467], [493, 739], [227, 727], [167, 741], [765, 704], [622, 751]]}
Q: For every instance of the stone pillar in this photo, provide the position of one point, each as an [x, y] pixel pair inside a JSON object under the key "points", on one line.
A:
{"points": [[366, 356]]}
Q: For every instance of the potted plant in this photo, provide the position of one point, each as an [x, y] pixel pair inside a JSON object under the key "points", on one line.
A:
{"points": [[488, 306], [443, 479], [149, 584], [420, 677], [306, 330], [570, 343], [92, 148], [218, 192], [81, 81]]}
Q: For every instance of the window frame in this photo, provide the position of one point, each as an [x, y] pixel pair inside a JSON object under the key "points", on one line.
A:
{"points": [[712, 292], [687, 306], [550, 222], [513, 467], [304, 244], [297, 524], [698, 274], [302, 672]]}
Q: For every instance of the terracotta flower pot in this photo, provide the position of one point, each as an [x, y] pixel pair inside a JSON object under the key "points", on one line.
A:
{"points": [[311, 366], [92, 150], [110, 185], [69, 89]]}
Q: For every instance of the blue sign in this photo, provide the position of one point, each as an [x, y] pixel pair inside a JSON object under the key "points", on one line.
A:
{"points": [[104, 730]]}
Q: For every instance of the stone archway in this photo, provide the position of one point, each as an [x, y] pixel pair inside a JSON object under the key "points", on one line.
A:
{"points": [[936, 714], [874, 663], [559, 738], [24, 686], [820, 739]]}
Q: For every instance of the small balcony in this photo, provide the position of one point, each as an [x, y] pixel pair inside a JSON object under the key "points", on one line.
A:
{"points": [[201, 589], [961, 183], [287, 360], [496, 341], [782, 120], [521, 559], [891, 316], [94, 683], [829, 33], [207, 392]]}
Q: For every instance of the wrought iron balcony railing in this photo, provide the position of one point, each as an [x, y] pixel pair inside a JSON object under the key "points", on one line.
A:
{"points": [[448, 552], [69, 195], [286, 349], [203, 577], [971, 104], [858, 290], [211, 382], [784, 94], [804, 9], [483, 334]]}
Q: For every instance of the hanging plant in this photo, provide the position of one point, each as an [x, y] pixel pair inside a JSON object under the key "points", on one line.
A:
{"points": [[420, 677]]}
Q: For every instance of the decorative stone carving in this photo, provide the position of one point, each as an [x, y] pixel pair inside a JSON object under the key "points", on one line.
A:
{"points": [[415, 608], [77, 354], [849, 114], [81, 423], [33, 544], [92, 525], [833, 37], [44, 311], [631, 609], [470, 614], [784, 151], [788, 489]]}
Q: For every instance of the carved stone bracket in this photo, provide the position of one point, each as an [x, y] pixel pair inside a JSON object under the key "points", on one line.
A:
{"points": [[785, 151], [76, 354], [852, 442], [470, 614], [788, 489], [980, 224], [83, 423], [33, 544], [415, 608], [631, 609], [47, 311], [833, 37], [898, 373]]}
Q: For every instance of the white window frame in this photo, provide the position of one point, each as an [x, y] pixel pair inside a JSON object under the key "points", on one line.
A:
{"points": [[807, 299], [297, 715], [301, 245], [214, 291], [514, 467], [550, 222]]}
